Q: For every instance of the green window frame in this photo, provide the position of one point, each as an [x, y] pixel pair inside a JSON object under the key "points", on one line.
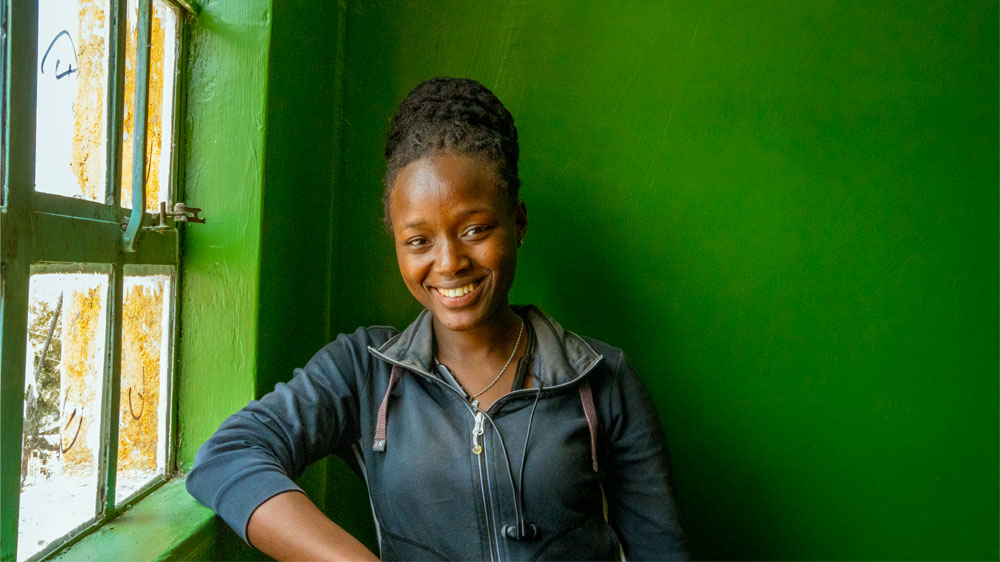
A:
{"points": [[41, 232]]}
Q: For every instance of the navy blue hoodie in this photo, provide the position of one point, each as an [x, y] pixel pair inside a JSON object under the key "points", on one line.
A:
{"points": [[445, 477]]}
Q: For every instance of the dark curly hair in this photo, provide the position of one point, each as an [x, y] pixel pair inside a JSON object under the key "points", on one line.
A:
{"points": [[455, 115]]}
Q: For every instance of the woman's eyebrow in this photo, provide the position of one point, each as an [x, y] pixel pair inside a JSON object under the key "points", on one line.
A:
{"points": [[463, 213], [474, 211], [414, 224]]}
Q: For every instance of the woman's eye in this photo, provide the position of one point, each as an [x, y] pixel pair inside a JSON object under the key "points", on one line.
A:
{"points": [[477, 231]]}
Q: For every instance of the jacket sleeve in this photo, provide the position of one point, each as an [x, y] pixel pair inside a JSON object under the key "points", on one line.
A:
{"points": [[638, 484], [257, 452]]}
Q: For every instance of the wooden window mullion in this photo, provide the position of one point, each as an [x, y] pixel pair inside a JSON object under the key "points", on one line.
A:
{"points": [[15, 254]]}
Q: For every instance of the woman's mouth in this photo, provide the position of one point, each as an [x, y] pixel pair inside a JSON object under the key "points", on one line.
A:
{"points": [[458, 292]]}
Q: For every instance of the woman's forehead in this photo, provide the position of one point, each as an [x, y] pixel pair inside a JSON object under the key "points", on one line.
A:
{"points": [[448, 181]]}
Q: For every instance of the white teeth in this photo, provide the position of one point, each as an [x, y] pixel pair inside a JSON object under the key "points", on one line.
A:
{"points": [[454, 293]]}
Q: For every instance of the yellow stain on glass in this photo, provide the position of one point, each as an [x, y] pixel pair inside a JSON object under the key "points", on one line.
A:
{"points": [[89, 117], [154, 115], [140, 384], [80, 409]]}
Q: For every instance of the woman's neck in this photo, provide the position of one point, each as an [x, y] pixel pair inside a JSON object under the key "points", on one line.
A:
{"points": [[492, 340]]}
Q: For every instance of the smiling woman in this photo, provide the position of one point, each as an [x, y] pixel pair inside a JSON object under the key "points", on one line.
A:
{"points": [[438, 418]]}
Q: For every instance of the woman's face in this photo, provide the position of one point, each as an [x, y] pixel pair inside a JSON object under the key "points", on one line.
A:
{"points": [[456, 238]]}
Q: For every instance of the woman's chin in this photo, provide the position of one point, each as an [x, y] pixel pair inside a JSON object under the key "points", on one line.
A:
{"points": [[456, 321], [466, 319]]}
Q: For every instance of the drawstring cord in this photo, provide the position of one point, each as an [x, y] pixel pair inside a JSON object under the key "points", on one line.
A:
{"points": [[587, 398], [383, 410]]}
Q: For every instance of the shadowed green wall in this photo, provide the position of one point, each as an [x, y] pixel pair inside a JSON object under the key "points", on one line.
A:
{"points": [[299, 164], [785, 213]]}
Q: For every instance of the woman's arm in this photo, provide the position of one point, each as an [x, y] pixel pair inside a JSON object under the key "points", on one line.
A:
{"points": [[289, 527], [258, 452]]}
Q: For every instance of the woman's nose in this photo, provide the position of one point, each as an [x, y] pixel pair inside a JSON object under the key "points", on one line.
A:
{"points": [[451, 257]]}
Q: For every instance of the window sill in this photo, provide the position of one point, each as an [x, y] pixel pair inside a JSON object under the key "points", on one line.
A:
{"points": [[167, 524]]}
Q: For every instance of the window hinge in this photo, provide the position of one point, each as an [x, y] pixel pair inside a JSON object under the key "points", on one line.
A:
{"points": [[181, 213]]}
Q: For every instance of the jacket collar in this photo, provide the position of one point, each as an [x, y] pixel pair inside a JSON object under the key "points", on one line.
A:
{"points": [[560, 356]]}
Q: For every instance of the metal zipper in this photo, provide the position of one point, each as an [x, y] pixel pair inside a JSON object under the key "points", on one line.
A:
{"points": [[478, 440], [477, 433]]}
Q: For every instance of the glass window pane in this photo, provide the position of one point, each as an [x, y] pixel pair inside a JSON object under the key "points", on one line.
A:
{"points": [[143, 414], [62, 406], [159, 119], [70, 157]]}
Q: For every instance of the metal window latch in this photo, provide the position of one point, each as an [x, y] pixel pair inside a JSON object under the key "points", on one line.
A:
{"points": [[181, 213]]}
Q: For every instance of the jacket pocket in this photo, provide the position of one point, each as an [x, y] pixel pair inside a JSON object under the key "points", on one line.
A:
{"points": [[590, 539], [410, 528], [395, 547]]}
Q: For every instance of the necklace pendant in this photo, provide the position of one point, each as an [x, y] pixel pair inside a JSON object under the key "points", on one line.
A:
{"points": [[478, 449]]}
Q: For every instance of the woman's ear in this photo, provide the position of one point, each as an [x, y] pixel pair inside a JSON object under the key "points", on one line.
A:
{"points": [[520, 221]]}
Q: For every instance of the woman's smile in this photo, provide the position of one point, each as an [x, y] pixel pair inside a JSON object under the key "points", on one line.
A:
{"points": [[456, 296]]}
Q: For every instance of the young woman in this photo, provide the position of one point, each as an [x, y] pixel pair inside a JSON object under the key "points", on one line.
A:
{"points": [[485, 431]]}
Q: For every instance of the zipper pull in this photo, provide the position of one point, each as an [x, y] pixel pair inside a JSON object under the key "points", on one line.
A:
{"points": [[477, 432]]}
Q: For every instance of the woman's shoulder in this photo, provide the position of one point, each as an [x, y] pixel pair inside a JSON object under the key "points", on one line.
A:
{"points": [[610, 353], [378, 334], [614, 369], [365, 336], [568, 351], [353, 346]]}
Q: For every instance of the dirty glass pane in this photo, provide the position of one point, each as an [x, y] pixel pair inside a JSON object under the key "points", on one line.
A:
{"points": [[159, 120], [143, 413], [70, 145], [62, 406]]}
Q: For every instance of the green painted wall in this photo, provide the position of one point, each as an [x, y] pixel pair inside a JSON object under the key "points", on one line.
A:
{"points": [[227, 96], [785, 212]]}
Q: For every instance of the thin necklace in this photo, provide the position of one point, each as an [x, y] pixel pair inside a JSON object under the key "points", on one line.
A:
{"points": [[509, 359]]}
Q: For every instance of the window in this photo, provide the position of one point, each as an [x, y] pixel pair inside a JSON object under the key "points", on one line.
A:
{"points": [[89, 251]]}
